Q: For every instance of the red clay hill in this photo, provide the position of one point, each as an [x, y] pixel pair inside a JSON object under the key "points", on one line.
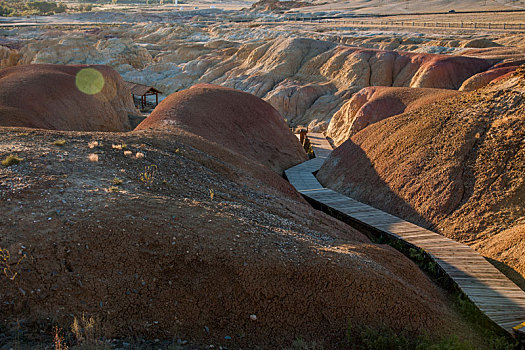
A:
{"points": [[375, 103], [162, 258], [234, 119], [50, 97], [455, 166]]}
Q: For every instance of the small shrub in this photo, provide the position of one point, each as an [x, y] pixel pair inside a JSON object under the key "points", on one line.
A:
{"points": [[148, 176], [86, 332], [11, 160], [60, 142], [117, 181], [58, 340], [310, 151], [6, 266], [85, 8], [385, 338]]}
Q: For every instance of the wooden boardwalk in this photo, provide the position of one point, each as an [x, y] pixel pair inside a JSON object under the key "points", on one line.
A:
{"points": [[491, 291]]}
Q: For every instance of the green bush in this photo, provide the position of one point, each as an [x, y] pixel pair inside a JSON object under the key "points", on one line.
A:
{"points": [[20, 8], [6, 10], [46, 8], [387, 339]]}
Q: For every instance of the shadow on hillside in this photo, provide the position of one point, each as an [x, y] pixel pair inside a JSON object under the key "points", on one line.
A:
{"points": [[508, 271], [375, 192]]}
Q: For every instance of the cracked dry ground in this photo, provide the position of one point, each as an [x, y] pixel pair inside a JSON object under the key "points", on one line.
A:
{"points": [[165, 258]]}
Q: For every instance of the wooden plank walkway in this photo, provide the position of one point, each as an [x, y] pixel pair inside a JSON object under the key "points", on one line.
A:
{"points": [[490, 290]]}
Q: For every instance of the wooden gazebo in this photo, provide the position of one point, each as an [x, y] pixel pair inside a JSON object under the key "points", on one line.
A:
{"points": [[143, 91]]}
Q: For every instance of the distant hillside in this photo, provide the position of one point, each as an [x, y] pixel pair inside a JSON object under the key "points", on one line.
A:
{"points": [[413, 6]]}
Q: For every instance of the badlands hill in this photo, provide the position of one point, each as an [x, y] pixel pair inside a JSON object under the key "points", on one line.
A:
{"points": [[234, 119], [165, 233], [484, 78], [172, 235], [455, 166], [373, 104], [307, 76], [80, 97]]}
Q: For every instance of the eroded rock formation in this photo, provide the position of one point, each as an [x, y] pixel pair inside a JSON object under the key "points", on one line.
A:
{"points": [[373, 104], [307, 79]]}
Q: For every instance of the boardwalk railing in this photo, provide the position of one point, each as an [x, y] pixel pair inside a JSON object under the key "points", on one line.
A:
{"points": [[491, 291]]}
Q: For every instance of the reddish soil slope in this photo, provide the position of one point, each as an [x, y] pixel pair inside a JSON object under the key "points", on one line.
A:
{"points": [[373, 104], [160, 257], [234, 119], [481, 79], [46, 96], [455, 166]]}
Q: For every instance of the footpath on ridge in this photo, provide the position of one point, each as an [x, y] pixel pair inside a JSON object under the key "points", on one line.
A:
{"points": [[490, 290]]}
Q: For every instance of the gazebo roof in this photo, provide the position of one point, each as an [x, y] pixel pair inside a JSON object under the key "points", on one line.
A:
{"points": [[140, 89]]}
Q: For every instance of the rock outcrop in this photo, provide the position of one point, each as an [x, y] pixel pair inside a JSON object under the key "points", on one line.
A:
{"points": [[373, 104], [304, 76], [234, 119], [8, 57], [81, 97]]}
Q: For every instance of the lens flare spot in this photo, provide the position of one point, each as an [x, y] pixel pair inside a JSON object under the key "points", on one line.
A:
{"points": [[90, 81]]}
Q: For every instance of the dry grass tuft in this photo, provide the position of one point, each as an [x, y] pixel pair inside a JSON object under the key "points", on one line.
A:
{"points": [[86, 331], [58, 340], [11, 159], [59, 142]]}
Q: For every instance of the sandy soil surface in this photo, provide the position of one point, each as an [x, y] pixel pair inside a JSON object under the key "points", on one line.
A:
{"points": [[190, 243]]}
